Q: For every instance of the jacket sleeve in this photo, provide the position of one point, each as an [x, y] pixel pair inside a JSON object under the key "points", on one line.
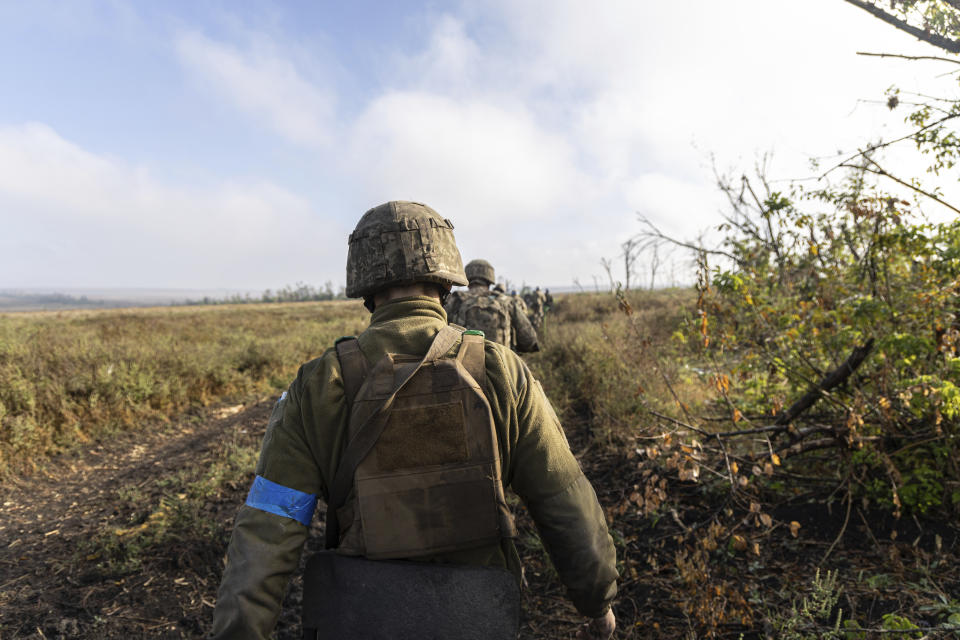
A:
{"points": [[561, 501], [269, 531]]}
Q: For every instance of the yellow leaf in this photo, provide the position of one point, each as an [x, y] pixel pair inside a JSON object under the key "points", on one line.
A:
{"points": [[754, 507], [775, 459], [766, 519], [737, 416], [734, 467], [794, 528], [739, 542]]}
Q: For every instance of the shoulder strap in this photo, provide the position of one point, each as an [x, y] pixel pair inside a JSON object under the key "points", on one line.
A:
{"points": [[473, 359], [369, 432], [353, 366]]}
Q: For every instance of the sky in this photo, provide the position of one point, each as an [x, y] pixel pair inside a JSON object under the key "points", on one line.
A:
{"points": [[235, 144]]}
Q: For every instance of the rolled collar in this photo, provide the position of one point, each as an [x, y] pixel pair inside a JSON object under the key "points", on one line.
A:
{"points": [[413, 306]]}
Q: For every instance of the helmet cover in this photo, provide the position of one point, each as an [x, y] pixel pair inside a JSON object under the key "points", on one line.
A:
{"points": [[480, 270], [399, 243]]}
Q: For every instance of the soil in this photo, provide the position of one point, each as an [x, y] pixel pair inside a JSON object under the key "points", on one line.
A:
{"points": [[52, 587]]}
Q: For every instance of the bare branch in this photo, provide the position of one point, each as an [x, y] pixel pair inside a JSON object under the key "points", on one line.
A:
{"points": [[832, 380], [653, 231], [953, 46], [899, 55], [878, 170], [881, 145]]}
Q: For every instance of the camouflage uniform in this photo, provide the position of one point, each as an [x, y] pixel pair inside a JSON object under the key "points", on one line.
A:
{"points": [[535, 303], [496, 314], [305, 439]]}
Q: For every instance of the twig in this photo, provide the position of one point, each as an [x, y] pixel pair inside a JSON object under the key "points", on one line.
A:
{"points": [[843, 529], [866, 526], [803, 447], [881, 172], [904, 57], [655, 232], [723, 448], [881, 145], [10, 582]]}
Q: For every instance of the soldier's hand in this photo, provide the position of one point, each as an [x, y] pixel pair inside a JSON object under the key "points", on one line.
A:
{"points": [[599, 628]]}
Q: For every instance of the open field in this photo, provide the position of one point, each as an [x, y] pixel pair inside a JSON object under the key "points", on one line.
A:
{"points": [[121, 531], [73, 377]]}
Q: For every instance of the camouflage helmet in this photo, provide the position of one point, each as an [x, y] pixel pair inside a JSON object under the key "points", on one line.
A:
{"points": [[400, 243], [480, 270]]}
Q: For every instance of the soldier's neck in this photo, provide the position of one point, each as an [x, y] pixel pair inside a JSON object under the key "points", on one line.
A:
{"points": [[478, 287]]}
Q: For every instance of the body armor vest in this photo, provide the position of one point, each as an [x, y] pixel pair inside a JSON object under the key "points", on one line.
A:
{"points": [[486, 313], [431, 482]]}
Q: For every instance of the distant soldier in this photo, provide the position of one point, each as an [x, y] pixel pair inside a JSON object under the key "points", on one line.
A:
{"points": [[548, 299], [499, 288], [496, 314], [536, 301], [518, 301]]}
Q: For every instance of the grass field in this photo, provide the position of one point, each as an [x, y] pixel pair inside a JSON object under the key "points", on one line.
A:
{"points": [[129, 439], [76, 376]]}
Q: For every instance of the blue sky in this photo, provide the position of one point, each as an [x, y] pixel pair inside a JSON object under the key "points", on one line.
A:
{"points": [[235, 144]]}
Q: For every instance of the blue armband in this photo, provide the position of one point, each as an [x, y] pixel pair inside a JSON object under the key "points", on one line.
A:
{"points": [[275, 498]]}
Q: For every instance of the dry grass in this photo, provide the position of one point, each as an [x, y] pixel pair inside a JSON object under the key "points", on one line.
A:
{"points": [[70, 377], [602, 367]]}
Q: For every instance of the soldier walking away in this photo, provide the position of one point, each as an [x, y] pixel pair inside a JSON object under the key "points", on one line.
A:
{"points": [[547, 300], [498, 315], [410, 432], [536, 301]]}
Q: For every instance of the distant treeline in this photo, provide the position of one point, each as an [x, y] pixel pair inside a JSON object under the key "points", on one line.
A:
{"points": [[299, 292], [15, 300]]}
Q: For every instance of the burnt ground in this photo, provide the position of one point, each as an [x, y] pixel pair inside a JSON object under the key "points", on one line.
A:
{"points": [[77, 562]]}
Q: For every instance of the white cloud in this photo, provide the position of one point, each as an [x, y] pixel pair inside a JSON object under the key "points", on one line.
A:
{"points": [[491, 164], [265, 84], [78, 218]]}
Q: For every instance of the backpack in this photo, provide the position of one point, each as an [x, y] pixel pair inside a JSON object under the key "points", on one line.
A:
{"points": [[484, 312], [420, 475], [427, 478]]}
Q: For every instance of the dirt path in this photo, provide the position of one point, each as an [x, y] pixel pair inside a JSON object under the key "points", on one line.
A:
{"points": [[76, 560], [71, 567], [49, 588]]}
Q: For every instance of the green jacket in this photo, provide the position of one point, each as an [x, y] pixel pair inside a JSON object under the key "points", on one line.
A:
{"points": [[301, 451]]}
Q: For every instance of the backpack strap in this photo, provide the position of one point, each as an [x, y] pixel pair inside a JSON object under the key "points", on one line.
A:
{"points": [[369, 432], [473, 359], [353, 366]]}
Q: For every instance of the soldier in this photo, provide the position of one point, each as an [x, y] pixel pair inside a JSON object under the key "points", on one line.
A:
{"points": [[383, 438], [521, 305], [496, 314], [535, 303], [547, 300]]}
